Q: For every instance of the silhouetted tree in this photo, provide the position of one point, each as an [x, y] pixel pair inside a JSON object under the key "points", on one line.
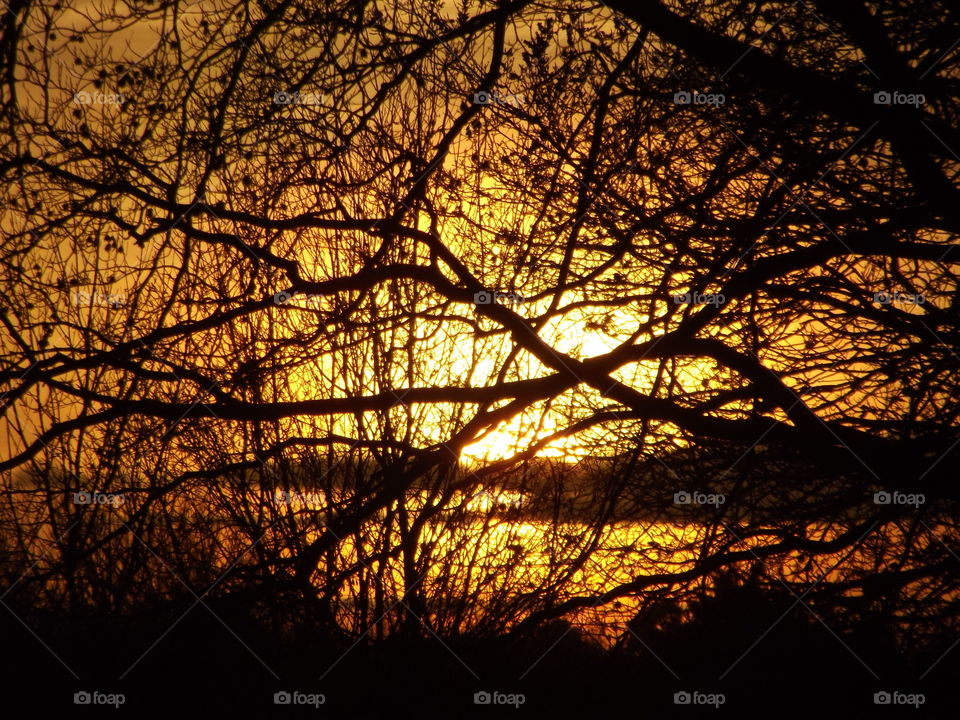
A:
{"points": [[322, 248]]}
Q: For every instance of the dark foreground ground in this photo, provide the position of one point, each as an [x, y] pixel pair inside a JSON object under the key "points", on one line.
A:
{"points": [[176, 665]]}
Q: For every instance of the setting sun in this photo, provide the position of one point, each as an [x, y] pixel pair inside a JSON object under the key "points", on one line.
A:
{"points": [[433, 359]]}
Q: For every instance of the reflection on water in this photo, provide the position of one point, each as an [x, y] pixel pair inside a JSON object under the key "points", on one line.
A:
{"points": [[498, 549], [479, 561]]}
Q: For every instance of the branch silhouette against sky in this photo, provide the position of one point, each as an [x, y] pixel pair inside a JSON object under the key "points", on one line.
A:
{"points": [[478, 290]]}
